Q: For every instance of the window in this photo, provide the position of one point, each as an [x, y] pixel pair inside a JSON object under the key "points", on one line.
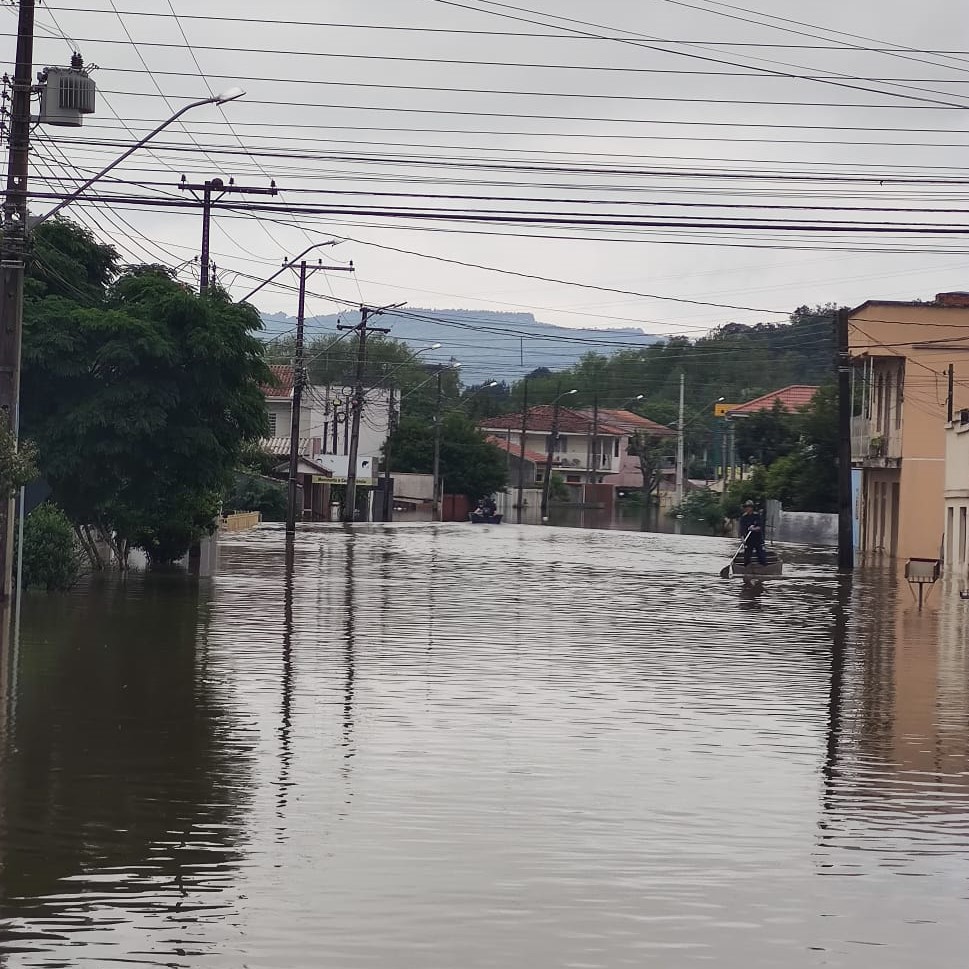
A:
{"points": [[962, 534], [572, 478], [616, 451], [271, 419], [562, 444], [539, 475]]}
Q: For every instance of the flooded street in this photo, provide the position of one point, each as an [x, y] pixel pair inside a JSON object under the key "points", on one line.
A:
{"points": [[449, 746]]}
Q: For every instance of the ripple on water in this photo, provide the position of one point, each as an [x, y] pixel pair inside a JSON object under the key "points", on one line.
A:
{"points": [[438, 746]]}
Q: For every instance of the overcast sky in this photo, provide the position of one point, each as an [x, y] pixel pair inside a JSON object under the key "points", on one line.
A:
{"points": [[615, 125]]}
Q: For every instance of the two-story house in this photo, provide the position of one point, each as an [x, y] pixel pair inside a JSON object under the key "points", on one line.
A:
{"points": [[901, 353], [325, 418], [576, 455]]}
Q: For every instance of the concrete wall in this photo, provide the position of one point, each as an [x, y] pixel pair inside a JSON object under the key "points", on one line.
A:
{"points": [[956, 495], [806, 528]]}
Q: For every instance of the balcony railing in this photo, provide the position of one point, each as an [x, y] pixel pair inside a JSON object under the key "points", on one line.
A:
{"points": [[869, 443]]}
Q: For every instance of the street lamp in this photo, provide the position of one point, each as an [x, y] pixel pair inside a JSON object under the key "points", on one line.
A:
{"points": [[436, 485], [232, 94], [553, 437], [12, 266]]}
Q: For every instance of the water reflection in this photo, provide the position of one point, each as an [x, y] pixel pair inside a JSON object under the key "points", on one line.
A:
{"points": [[116, 770], [432, 746]]}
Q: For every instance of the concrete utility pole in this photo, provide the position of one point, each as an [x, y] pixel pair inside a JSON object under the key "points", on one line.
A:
{"points": [[521, 452], [679, 447], [12, 264], [299, 381], [846, 544], [436, 468], [212, 190], [363, 328], [550, 448], [388, 513]]}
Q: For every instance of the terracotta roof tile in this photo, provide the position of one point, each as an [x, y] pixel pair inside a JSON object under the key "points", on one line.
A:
{"points": [[790, 398], [540, 421], [515, 449], [629, 422], [283, 387]]}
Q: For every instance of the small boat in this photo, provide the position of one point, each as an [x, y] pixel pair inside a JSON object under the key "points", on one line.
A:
{"points": [[755, 570], [480, 518]]}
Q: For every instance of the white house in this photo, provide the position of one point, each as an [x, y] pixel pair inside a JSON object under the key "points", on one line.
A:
{"points": [[956, 495], [325, 423]]}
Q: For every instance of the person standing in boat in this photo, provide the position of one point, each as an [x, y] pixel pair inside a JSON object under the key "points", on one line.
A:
{"points": [[751, 530]]}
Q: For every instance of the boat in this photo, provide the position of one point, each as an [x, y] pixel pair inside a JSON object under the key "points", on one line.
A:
{"points": [[481, 518], [755, 570]]}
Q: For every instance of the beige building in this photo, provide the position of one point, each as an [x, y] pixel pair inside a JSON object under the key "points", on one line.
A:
{"points": [[901, 353]]}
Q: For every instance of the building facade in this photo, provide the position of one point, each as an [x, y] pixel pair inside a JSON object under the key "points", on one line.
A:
{"points": [[901, 353]]}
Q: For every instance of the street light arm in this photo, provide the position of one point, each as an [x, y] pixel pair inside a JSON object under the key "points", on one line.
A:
{"points": [[289, 265], [229, 95]]}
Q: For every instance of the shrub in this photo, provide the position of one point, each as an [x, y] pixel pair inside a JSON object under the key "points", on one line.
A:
{"points": [[51, 558], [703, 506]]}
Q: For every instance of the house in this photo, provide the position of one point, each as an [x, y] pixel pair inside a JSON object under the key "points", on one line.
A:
{"points": [[325, 420], [533, 463], [792, 399], [574, 454], [901, 353], [629, 475]]}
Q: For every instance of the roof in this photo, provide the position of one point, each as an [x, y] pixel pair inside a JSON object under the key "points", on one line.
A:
{"points": [[279, 446], [514, 449], [629, 423], [954, 300], [284, 377], [790, 398], [540, 419]]}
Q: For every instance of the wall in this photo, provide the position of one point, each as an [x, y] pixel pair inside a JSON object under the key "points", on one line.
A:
{"points": [[921, 334], [957, 499], [806, 528]]}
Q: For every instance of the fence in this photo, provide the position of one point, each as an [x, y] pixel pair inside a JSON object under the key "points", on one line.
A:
{"points": [[240, 521]]}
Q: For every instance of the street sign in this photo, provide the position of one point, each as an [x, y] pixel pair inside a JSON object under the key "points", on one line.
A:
{"points": [[721, 410], [361, 482]]}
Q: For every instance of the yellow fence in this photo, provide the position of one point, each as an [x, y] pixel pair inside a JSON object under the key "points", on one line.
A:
{"points": [[240, 521]]}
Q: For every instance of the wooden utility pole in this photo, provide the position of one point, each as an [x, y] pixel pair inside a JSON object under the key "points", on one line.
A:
{"points": [[436, 468], [521, 452], [362, 328], [950, 397], [212, 190], [12, 252], [680, 470], [846, 544]]}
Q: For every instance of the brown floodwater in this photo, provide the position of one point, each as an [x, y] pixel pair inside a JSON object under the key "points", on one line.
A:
{"points": [[457, 746]]}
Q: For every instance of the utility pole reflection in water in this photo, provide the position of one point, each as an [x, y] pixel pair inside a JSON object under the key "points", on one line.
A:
{"points": [[286, 684], [350, 634], [839, 650]]}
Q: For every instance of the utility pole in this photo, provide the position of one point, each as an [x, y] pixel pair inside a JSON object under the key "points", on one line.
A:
{"points": [[391, 427], [436, 471], [12, 253], [521, 451], [363, 328], [553, 437], [214, 189], [950, 399], [299, 381], [846, 545], [679, 447]]}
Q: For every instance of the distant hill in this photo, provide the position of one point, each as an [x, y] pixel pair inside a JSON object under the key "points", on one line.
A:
{"points": [[489, 345]]}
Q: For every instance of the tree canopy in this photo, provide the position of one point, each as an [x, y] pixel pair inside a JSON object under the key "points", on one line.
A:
{"points": [[138, 393], [469, 464]]}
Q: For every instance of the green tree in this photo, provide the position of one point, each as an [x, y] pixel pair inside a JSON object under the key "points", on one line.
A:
{"points": [[139, 394], [652, 451], [766, 435], [469, 464]]}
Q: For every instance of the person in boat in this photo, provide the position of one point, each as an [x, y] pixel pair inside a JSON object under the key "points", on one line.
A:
{"points": [[751, 530], [487, 506]]}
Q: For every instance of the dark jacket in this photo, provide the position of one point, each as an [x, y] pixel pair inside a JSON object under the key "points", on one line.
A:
{"points": [[751, 520]]}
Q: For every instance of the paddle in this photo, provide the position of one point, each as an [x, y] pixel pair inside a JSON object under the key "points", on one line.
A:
{"points": [[725, 571]]}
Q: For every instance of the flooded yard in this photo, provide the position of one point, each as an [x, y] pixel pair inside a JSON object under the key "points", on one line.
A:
{"points": [[449, 746]]}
